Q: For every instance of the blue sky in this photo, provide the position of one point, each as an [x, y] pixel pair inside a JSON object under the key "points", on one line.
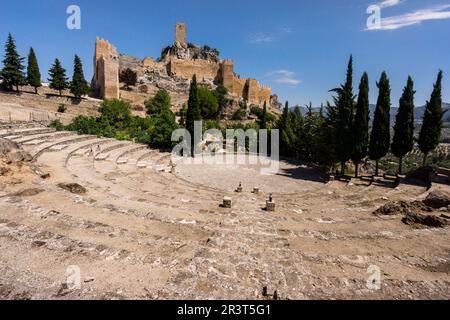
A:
{"points": [[299, 48]]}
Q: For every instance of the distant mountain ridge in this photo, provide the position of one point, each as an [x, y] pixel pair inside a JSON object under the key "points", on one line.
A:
{"points": [[418, 112]]}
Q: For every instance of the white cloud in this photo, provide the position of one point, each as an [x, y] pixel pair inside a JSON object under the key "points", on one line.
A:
{"points": [[388, 3], [284, 77], [285, 30], [414, 18], [261, 38], [267, 38]]}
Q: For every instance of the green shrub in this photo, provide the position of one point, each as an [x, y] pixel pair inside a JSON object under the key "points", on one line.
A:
{"points": [[239, 114], [116, 112], [161, 135], [208, 103], [158, 103], [56, 124]]}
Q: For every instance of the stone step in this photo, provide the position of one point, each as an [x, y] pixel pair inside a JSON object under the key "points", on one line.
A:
{"points": [[34, 143]]}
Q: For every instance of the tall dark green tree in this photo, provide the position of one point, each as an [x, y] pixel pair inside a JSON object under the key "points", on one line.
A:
{"points": [[58, 79], [344, 111], [361, 124], [430, 133], [33, 72], [12, 72], [380, 135], [403, 141], [287, 138], [298, 133], [193, 112], [79, 86], [263, 120]]}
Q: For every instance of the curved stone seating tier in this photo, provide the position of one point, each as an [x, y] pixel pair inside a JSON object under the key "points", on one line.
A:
{"points": [[48, 146], [123, 158], [85, 148], [105, 153], [26, 132], [55, 135]]}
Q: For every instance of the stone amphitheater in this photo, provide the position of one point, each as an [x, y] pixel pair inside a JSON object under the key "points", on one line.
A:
{"points": [[141, 230]]}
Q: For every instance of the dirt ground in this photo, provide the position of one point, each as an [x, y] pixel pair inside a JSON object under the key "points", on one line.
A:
{"points": [[141, 231]]}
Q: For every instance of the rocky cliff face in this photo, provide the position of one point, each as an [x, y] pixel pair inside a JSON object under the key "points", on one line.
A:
{"points": [[190, 52]]}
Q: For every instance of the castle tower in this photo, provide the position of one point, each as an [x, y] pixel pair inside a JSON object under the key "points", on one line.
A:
{"points": [[180, 33], [227, 74], [106, 70]]}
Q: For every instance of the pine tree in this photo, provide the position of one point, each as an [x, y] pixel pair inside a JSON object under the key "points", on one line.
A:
{"points": [[33, 72], [193, 112], [344, 111], [58, 79], [380, 135], [403, 141], [361, 124], [430, 133], [79, 86], [12, 72]]}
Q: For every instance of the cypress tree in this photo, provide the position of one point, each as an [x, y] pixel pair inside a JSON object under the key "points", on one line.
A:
{"points": [[380, 135], [403, 141], [12, 72], [430, 133], [33, 72], [58, 79], [344, 111], [286, 133], [361, 124], [193, 112], [297, 135], [263, 120], [79, 85]]}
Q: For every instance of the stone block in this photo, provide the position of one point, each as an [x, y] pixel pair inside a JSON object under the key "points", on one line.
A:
{"points": [[227, 202], [270, 205]]}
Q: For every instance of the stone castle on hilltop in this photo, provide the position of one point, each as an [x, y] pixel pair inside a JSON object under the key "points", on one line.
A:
{"points": [[173, 72]]}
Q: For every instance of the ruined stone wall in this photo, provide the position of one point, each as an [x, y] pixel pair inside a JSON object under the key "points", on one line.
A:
{"points": [[264, 96], [239, 87], [249, 89], [187, 68], [106, 70]]}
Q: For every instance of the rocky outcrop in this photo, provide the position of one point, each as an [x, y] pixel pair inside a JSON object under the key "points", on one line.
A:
{"points": [[437, 200], [12, 152], [402, 207], [434, 221], [73, 188], [190, 52], [420, 213]]}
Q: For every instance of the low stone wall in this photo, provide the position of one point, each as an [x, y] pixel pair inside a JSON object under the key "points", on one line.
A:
{"points": [[10, 112], [25, 105]]}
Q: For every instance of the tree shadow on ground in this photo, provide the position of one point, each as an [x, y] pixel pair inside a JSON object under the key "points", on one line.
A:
{"points": [[302, 172]]}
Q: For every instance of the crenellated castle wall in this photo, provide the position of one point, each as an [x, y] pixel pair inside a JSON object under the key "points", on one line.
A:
{"points": [[108, 63]]}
